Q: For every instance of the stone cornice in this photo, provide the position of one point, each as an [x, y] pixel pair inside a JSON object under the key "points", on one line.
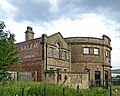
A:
{"points": [[89, 43]]}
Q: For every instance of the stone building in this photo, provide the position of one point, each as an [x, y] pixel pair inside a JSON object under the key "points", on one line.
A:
{"points": [[71, 61], [92, 55]]}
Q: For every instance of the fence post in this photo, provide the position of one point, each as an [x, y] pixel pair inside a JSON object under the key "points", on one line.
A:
{"points": [[77, 89], [63, 91], [110, 91], [23, 91], [44, 90]]}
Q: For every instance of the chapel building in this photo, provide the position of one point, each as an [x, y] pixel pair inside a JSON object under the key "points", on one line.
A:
{"points": [[71, 61]]}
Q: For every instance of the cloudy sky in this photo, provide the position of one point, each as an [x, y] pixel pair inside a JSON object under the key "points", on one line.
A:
{"points": [[81, 18]]}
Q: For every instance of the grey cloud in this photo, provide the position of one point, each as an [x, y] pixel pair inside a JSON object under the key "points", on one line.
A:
{"points": [[32, 10], [105, 7], [109, 8]]}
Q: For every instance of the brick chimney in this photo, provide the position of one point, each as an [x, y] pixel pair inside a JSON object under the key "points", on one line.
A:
{"points": [[29, 34]]}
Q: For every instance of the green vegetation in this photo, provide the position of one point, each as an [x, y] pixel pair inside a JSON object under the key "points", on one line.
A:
{"points": [[38, 89], [116, 91], [7, 53], [118, 76]]}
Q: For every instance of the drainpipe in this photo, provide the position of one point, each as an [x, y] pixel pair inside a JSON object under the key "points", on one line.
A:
{"points": [[104, 52], [44, 54]]}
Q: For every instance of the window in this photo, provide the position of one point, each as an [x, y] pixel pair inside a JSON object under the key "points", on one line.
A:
{"points": [[51, 52], [86, 50], [65, 70], [59, 69], [108, 53], [96, 51], [57, 50], [51, 68], [109, 61], [65, 55], [50, 74], [59, 75]]}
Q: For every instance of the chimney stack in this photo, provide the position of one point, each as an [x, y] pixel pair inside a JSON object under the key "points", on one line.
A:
{"points": [[29, 34]]}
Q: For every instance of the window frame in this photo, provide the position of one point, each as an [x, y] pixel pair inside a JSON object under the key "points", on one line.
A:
{"points": [[51, 52], [108, 53], [58, 50], [86, 50], [65, 55], [96, 51], [60, 75], [65, 70], [50, 74]]}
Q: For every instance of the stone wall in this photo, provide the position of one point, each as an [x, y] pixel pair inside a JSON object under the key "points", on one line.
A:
{"points": [[94, 62], [54, 63], [80, 80]]}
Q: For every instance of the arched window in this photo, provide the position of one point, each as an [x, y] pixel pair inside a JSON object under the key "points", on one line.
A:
{"points": [[57, 50], [51, 52]]}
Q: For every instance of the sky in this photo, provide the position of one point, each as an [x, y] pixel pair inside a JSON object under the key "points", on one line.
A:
{"points": [[72, 18]]}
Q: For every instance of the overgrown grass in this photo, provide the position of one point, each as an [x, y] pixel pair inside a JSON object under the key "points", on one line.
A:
{"points": [[38, 89], [116, 91]]}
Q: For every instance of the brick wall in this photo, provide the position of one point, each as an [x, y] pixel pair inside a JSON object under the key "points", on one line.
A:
{"points": [[30, 53]]}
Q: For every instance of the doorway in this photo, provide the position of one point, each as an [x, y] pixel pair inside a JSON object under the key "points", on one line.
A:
{"points": [[97, 78], [106, 78]]}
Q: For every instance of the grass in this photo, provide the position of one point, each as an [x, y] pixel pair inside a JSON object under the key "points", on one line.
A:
{"points": [[38, 89], [116, 90]]}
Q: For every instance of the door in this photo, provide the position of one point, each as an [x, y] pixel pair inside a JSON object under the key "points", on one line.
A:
{"points": [[106, 78], [97, 78]]}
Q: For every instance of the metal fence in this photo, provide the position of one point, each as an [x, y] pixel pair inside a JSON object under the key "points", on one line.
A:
{"points": [[48, 92], [106, 83], [116, 81], [65, 92], [99, 83]]}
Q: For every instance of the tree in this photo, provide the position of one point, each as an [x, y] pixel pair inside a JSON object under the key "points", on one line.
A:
{"points": [[8, 53], [118, 76]]}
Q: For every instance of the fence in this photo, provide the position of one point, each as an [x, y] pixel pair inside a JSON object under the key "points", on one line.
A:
{"points": [[66, 92], [48, 92], [36, 89], [106, 83], [116, 81], [99, 83]]}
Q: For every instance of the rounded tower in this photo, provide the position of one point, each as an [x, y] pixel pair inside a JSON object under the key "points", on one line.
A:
{"points": [[93, 54]]}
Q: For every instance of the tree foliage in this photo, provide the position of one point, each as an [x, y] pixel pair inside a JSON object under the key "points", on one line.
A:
{"points": [[118, 76], [8, 53]]}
